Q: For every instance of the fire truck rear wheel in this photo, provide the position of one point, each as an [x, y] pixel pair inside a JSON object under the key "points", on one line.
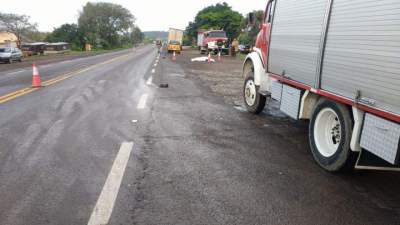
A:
{"points": [[330, 134], [254, 101]]}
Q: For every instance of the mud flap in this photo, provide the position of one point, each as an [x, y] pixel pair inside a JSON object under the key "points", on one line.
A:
{"points": [[368, 161]]}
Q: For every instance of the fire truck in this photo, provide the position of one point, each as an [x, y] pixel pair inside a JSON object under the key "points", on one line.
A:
{"points": [[335, 63], [213, 41]]}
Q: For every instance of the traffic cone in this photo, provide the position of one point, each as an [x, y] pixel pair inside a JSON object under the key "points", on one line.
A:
{"points": [[219, 56], [174, 56], [36, 82], [209, 57]]}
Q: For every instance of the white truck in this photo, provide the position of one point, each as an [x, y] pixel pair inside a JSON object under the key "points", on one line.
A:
{"points": [[335, 63], [175, 39]]}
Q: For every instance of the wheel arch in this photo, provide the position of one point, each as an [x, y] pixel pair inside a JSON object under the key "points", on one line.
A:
{"points": [[310, 100], [253, 61]]}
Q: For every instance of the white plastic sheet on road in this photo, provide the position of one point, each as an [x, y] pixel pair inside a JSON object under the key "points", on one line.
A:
{"points": [[202, 59]]}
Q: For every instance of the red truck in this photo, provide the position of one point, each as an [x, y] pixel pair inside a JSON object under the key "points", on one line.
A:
{"points": [[336, 64], [213, 41]]}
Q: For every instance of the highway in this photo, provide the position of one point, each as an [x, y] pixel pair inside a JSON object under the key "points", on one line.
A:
{"points": [[58, 142], [101, 143]]}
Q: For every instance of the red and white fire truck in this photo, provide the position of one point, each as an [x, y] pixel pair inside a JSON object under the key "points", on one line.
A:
{"points": [[213, 41], [335, 63]]}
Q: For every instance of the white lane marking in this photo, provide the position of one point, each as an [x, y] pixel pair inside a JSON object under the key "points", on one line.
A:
{"points": [[153, 70], [19, 71], [142, 101], [102, 211], [155, 64], [150, 80]]}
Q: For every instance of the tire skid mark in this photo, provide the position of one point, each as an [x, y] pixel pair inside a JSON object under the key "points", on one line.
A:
{"points": [[89, 94], [31, 135], [69, 106], [45, 148]]}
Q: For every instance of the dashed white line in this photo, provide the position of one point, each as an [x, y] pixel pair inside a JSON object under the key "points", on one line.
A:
{"points": [[142, 101], [150, 80], [102, 211], [19, 71], [153, 70], [155, 64]]}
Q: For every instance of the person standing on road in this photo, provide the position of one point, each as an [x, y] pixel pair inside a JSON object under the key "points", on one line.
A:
{"points": [[235, 46]]}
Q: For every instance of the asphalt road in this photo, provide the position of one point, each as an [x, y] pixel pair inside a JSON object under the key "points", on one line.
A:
{"points": [[21, 77], [106, 144]]}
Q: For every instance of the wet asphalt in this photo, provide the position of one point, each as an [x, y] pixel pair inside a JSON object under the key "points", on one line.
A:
{"points": [[195, 160]]}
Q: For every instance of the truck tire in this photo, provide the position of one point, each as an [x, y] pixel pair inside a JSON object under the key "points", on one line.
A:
{"points": [[330, 134], [254, 101]]}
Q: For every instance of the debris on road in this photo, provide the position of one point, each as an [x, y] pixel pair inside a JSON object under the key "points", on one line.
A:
{"points": [[202, 59], [164, 85]]}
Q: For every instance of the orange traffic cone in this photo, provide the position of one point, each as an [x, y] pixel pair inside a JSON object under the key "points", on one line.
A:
{"points": [[219, 56], [36, 82], [174, 56], [209, 57]]}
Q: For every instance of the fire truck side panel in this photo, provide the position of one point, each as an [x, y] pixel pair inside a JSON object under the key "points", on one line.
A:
{"points": [[295, 39], [362, 55]]}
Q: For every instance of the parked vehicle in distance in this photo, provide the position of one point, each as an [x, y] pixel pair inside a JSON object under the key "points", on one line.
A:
{"points": [[175, 39], [214, 41], [336, 64], [174, 46], [57, 48], [158, 42], [10, 54], [244, 49], [37, 48]]}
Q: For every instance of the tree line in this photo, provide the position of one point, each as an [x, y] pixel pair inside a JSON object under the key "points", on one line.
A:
{"points": [[222, 17], [102, 25]]}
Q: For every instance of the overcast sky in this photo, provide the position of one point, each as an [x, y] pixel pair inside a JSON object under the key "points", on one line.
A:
{"points": [[151, 15]]}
